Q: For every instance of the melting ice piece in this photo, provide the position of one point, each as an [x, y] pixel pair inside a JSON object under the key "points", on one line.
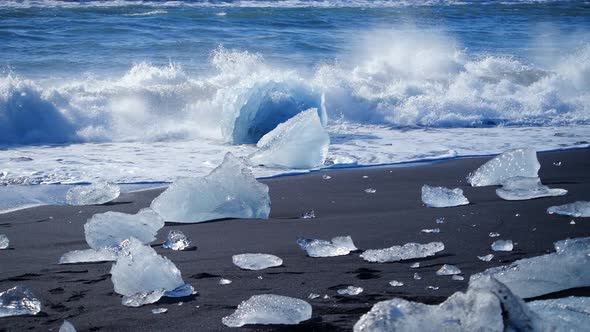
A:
{"points": [[502, 245], [177, 241], [4, 242], [90, 256], [350, 290], [256, 261], [396, 283], [224, 281], [522, 188], [141, 298], [269, 309], [18, 301], [415, 265], [96, 193], [67, 327], [439, 197], [417, 276], [566, 314], [448, 270], [339, 246], [301, 142], [513, 163], [568, 267], [370, 191], [494, 234], [158, 311], [576, 209], [109, 229], [140, 270], [458, 278], [313, 296], [308, 215], [431, 230], [407, 251], [486, 258], [229, 191]]}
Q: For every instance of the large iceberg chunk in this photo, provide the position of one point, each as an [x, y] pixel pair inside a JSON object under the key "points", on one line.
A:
{"points": [[566, 314], [443, 197], [269, 309], [521, 188], [229, 191], [18, 301], [576, 209], [90, 256], [518, 162], [256, 261], [339, 246], [96, 193], [4, 241], [407, 251], [568, 267], [140, 273], [301, 142]]}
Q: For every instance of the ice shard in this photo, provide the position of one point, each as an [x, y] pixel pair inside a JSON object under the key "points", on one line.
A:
{"points": [[18, 301], [338, 246], [269, 309], [350, 290], [96, 193], [301, 142], [576, 209], [522, 188], [256, 261], [4, 242], [448, 270], [513, 163], [67, 327], [399, 253], [90, 256], [229, 191], [439, 197], [176, 240]]}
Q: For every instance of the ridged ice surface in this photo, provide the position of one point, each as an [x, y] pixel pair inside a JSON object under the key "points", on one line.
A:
{"points": [[510, 164], [18, 301], [576, 209], [89, 256], [96, 193], [522, 188], [439, 197], [256, 261], [67, 326], [568, 267], [407, 251], [177, 240], [229, 191], [4, 241], [338, 246], [269, 309], [300, 142], [566, 314]]}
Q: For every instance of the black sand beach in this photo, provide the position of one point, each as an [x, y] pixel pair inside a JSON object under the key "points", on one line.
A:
{"points": [[394, 215]]}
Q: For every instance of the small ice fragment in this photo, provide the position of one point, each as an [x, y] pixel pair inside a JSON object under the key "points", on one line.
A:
{"points": [[395, 283], [96, 193], [326, 296], [18, 301], [229, 191], [458, 278], [308, 215], [370, 191], [407, 251], [431, 230], [326, 177], [557, 163], [224, 281], [448, 270], [67, 327], [417, 276], [4, 242], [518, 162], [573, 222], [502, 245], [523, 188], [300, 142], [576, 209], [256, 261], [440, 220], [494, 234], [350, 290], [176, 240], [486, 258], [517, 215], [269, 309], [432, 287], [159, 311], [89, 256], [180, 303], [141, 298], [365, 176], [338, 246], [439, 197], [415, 265], [313, 296], [259, 277]]}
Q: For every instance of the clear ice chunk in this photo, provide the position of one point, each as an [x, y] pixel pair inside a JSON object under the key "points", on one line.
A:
{"points": [[431, 230], [96, 193], [458, 278], [350, 290], [18, 301], [395, 283], [576, 209], [523, 188], [308, 215], [502, 245], [448, 270], [313, 296], [338, 246], [440, 197], [176, 240], [67, 326], [256, 261], [224, 281], [269, 309], [407, 251], [90, 256], [513, 163], [4, 242], [229, 191], [158, 311], [300, 142], [486, 258], [142, 298]]}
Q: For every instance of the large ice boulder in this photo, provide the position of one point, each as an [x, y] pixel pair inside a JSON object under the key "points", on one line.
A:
{"points": [[440, 197], [522, 188], [575, 209], [229, 191], [269, 309], [518, 162], [18, 301], [301, 142], [338, 246], [407, 251], [96, 193]]}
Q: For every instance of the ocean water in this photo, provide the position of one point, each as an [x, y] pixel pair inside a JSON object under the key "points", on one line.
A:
{"points": [[147, 91]]}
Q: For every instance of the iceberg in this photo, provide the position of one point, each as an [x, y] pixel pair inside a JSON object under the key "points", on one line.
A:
{"points": [[338, 246], [399, 253], [439, 197], [350, 290], [502, 245], [4, 242], [448, 270], [576, 209], [67, 327], [176, 240], [256, 261], [229, 191], [522, 188], [301, 142], [142, 276], [513, 163], [18, 301], [269, 309], [90, 256], [568, 267], [96, 193]]}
